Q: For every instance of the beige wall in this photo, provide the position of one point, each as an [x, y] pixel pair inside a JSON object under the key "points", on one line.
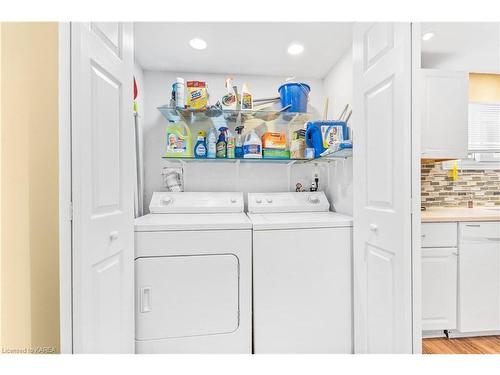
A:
{"points": [[29, 192], [484, 87]]}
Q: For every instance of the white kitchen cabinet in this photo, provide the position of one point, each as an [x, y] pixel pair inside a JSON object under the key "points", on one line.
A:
{"points": [[444, 116], [439, 276], [439, 288], [479, 277]]}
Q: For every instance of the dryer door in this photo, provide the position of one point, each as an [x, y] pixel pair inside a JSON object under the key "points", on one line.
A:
{"points": [[183, 296]]}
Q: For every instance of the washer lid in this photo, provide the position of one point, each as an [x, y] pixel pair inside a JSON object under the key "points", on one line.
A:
{"points": [[171, 222], [299, 220], [288, 202], [195, 202]]}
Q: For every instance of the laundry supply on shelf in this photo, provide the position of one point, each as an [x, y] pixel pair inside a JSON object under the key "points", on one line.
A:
{"points": [[197, 94], [178, 140]]}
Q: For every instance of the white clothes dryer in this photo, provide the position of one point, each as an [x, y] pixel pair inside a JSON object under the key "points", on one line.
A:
{"points": [[193, 274]]}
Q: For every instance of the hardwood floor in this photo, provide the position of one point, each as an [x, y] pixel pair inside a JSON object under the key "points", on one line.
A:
{"points": [[466, 345]]}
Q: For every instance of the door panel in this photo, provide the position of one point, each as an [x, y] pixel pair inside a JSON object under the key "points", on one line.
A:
{"points": [[171, 301], [105, 137], [382, 181], [102, 187], [110, 34], [445, 104], [379, 125], [479, 277], [439, 288]]}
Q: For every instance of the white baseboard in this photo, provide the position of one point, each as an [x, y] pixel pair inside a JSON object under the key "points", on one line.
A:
{"points": [[458, 334], [433, 334]]}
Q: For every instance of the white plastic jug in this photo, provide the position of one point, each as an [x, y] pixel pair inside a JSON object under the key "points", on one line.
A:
{"points": [[252, 147]]}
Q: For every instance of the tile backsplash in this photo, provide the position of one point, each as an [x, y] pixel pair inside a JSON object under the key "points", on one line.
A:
{"points": [[439, 190]]}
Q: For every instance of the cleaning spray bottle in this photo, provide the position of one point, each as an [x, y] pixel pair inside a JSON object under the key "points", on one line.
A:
{"points": [[212, 143], [200, 149], [230, 100], [231, 144], [239, 142], [222, 143], [246, 98]]}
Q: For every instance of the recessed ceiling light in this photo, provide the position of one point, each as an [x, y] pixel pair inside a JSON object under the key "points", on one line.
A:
{"points": [[295, 49], [198, 43], [428, 36]]}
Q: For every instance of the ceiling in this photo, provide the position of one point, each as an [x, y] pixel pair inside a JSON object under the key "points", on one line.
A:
{"points": [[466, 46], [243, 47]]}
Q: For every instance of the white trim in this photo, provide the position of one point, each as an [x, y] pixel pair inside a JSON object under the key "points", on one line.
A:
{"points": [[433, 334], [457, 334], [415, 186], [65, 245], [471, 165]]}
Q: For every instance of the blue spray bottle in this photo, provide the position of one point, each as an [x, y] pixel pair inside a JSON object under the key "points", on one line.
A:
{"points": [[200, 149]]}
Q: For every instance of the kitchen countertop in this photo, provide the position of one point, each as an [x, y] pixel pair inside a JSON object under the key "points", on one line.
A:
{"points": [[432, 215]]}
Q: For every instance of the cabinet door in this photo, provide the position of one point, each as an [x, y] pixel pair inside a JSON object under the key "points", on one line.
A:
{"points": [[444, 114], [439, 288], [479, 277]]}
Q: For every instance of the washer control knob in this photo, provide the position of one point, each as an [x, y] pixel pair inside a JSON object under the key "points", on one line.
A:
{"points": [[166, 201], [313, 199], [269, 200], [258, 200], [233, 200]]}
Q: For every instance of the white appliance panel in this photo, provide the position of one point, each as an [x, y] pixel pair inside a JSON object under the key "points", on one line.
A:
{"points": [[196, 202], [288, 202], [186, 296], [302, 291]]}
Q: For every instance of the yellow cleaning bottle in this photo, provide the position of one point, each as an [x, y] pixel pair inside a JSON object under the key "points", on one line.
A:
{"points": [[179, 141]]}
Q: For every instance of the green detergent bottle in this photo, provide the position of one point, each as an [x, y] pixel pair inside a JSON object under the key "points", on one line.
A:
{"points": [[179, 141]]}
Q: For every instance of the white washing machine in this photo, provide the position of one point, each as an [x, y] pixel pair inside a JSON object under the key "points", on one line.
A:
{"points": [[302, 274], [193, 275]]}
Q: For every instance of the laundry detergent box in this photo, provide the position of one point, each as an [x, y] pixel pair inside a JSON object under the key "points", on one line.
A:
{"points": [[197, 94], [332, 132]]}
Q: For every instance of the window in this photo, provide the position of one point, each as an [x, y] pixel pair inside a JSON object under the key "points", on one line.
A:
{"points": [[484, 138], [484, 127]]}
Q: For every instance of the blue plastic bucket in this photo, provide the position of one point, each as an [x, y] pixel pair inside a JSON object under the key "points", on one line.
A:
{"points": [[295, 95]]}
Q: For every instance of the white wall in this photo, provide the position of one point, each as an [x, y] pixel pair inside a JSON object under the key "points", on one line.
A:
{"points": [[338, 85], [218, 176]]}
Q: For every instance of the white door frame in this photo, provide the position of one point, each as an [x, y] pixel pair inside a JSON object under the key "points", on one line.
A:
{"points": [[65, 207], [416, 258]]}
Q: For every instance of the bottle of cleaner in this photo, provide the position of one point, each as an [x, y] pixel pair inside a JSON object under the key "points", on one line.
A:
{"points": [[231, 144], [238, 150], [178, 141], [212, 143], [252, 147], [246, 98], [222, 143], [200, 149], [180, 97], [230, 100]]}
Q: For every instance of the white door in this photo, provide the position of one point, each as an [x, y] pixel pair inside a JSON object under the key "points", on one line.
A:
{"points": [[102, 187], [382, 183]]}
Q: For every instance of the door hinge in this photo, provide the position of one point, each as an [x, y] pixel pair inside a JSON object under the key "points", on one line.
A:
{"points": [[70, 211]]}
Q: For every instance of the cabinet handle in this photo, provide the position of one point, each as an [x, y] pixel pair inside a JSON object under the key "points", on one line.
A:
{"points": [[145, 299], [473, 225], [493, 238]]}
